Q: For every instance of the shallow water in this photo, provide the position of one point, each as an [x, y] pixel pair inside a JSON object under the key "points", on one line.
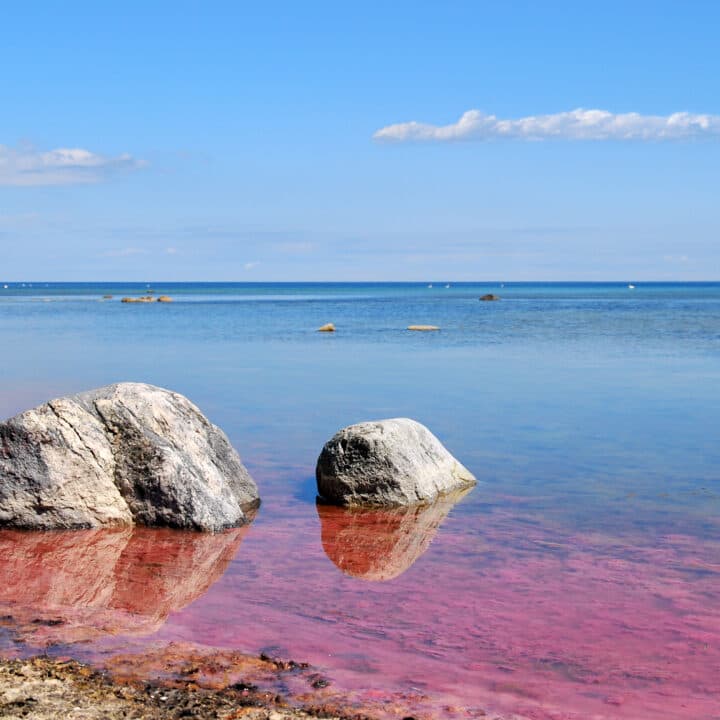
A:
{"points": [[581, 578]]}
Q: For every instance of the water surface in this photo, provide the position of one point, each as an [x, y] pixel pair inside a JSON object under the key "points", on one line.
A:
{"points": [[581, 578]]}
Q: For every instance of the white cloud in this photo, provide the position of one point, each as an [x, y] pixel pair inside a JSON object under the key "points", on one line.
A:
{"points": [[28, 166], [573, 125], [171, 250], [251, 265]]}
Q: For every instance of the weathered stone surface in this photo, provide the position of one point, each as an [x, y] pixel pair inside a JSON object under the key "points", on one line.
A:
{"points": [[122, 454], [387, 463]]}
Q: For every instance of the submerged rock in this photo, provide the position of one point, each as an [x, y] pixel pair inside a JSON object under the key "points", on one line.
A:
{"points": [[381, 543], [124, 454], [489, 297], [386, 463]]}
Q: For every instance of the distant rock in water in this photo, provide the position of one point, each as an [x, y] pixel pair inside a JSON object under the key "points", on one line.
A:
{"points": [[387, 463], [164, 298], [489, 297], [328, 327], [66, 587], [380, 543], [123, 454], [423, 328], [144, 299]]}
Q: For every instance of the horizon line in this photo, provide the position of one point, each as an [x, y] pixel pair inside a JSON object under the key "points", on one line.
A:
{"points": [[349, 282]]}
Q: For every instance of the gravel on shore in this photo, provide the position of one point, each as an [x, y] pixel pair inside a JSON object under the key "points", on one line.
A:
{"points": [[45, 689]]}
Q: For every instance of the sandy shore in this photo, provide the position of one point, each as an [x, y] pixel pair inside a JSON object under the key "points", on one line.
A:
{"points": [[46, 689]]}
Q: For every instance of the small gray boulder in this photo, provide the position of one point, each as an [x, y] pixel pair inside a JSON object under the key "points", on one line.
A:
{"points": [[387, 463], [124, 454]]}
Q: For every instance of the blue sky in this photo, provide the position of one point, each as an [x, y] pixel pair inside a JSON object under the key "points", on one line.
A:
{"points": [[245, 141]]}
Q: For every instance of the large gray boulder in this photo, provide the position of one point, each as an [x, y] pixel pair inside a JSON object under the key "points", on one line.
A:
{"points": [[120, 455], [387, 463]]}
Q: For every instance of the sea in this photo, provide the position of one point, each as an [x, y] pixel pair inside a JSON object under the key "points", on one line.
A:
{"points": [[580, 578]]}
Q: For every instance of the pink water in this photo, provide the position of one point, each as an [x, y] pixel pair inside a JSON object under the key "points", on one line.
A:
{"points": [[510, 615]]}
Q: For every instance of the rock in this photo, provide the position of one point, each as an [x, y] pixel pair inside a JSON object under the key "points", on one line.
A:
{"points": [[387, 463], [124, 454], [164, 298], [107, 297], [329, 327], [423, 328], [144, 299], [380, 543], [489, 297]]}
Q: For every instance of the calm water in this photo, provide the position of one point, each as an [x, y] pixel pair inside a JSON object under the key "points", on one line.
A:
{"points": [[580, 579]]}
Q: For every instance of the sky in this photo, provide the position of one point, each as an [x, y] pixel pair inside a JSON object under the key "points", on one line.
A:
{"points": [[312, 141]]}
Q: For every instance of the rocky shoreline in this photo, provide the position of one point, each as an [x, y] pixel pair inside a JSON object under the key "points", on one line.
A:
{"points": [[42, 688], [132, 454]]}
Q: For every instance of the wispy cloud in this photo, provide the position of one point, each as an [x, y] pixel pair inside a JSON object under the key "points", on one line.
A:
{"points": [[251, 265], [573, 125], [28, 166], [296, 247], [125, 252], [18, 218]]}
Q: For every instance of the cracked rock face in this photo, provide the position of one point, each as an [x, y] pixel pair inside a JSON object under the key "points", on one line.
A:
{"points": [[120, 455], [387, 463]]}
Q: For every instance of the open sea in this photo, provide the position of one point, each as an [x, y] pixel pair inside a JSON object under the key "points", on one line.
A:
{"points": [[580, 579]]}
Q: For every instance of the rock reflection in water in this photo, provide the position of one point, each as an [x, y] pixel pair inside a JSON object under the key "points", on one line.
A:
{"points": [[380, 543], [79, 585]]}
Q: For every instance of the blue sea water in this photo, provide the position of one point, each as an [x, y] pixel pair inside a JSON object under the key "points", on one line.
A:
{"points": [[574, 393], [590, 409]]}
